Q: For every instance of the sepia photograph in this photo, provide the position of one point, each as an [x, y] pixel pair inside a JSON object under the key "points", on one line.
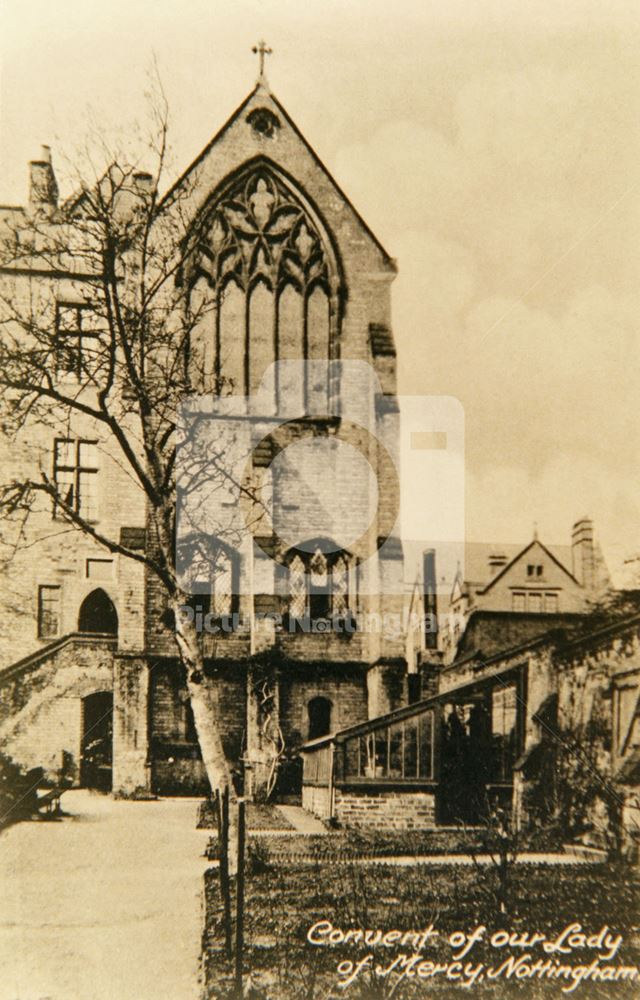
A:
{"points": [[319, 500]]}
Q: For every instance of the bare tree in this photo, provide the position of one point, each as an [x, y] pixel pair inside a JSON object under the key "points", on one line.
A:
{"points": [[127, 253]]}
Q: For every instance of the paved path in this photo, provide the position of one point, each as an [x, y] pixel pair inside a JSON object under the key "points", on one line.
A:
{"points": [[301, 820], [104, 905]]}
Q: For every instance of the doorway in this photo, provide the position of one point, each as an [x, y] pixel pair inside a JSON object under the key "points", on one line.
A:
{"points": [[96, 758]]}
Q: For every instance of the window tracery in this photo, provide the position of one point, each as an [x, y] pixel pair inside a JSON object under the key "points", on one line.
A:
{"points": [[319, 584], [268, 266]]}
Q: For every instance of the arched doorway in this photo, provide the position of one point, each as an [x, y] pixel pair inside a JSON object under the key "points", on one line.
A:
{"points": [[96, 755], [319, 717], [98, 614]]}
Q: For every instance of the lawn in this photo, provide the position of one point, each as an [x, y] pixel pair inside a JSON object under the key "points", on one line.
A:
{"points": [[286, 899]]}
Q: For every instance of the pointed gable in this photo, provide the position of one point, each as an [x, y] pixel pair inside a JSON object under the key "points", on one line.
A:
{"points": [[260, 130], [535, 565]]}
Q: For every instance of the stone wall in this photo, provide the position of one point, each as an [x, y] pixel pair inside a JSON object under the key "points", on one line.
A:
{"points": [[377, 809], [344, 685], [175, 756], [41, 704], [131, 772]]}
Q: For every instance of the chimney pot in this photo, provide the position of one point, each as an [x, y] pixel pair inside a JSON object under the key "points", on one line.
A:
{"points": [[582, 551], [43, 189], [497, 561]]}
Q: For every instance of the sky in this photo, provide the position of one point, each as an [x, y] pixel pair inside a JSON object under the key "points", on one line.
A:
{"points": [[492, 147]]}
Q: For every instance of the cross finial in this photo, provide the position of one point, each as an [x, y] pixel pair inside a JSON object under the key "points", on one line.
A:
{"points": [[261, 50]]}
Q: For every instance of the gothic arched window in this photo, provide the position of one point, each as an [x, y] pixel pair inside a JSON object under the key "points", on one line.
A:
{"points": [[208, 572], [318, 583], [98, 614], [265, 261]]}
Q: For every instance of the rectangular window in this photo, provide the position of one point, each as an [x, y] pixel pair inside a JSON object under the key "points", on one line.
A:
{"points": [[534, 570], [401, 751], [535, 603], [625, 713], [517, 602], [78, 329], [75, 468], [48, 611], [551, 603]]}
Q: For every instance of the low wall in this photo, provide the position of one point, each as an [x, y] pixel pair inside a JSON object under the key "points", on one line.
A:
{"points": [[381, 809]]}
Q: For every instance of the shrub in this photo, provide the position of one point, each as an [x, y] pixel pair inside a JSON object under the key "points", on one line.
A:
{"points": [[258, 857], [18, 791]]}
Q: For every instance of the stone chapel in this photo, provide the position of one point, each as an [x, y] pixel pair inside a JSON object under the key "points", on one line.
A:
{"points": [[89, 674]]}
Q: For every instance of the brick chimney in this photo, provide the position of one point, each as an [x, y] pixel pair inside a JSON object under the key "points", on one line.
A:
{"points": [[430, 599], [582, 552], [43, 189]]}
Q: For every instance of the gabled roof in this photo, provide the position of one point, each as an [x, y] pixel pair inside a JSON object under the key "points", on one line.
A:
{"points": [[263, 91], [532, 544]]}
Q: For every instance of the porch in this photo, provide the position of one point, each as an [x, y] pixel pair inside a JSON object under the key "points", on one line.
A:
{"points": [[441, 761]]}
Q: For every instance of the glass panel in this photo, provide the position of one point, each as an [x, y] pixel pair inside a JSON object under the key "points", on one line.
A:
{"points": [[68, 356], [503, 728], [87, 498], [68, 319], [290, 385], [340, 586], [381, 752], [199, 573], [261, 339], [518, 602], [535, 602], [87, 455], [352, 758], [65, 482], [411, 748], [232, 338], [425, 723], [92, 321], [48, 611], [368, 756], [297, 588], [222, 584], [396, 746], [318, 569], [317, 350], [65, 453]]}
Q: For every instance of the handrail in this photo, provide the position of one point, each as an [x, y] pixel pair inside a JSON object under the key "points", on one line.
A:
{"points": [[13, 669]]}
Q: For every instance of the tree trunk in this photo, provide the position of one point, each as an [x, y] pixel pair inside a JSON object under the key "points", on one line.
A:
{"points": [[203, 696]]}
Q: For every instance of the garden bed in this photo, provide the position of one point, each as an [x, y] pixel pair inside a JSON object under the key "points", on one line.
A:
{"points": [[347, 845], [284, 900], [259, 817]]}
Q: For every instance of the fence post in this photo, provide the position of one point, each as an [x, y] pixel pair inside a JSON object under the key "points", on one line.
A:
{"points": [[240, 899], [225, 889]]}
